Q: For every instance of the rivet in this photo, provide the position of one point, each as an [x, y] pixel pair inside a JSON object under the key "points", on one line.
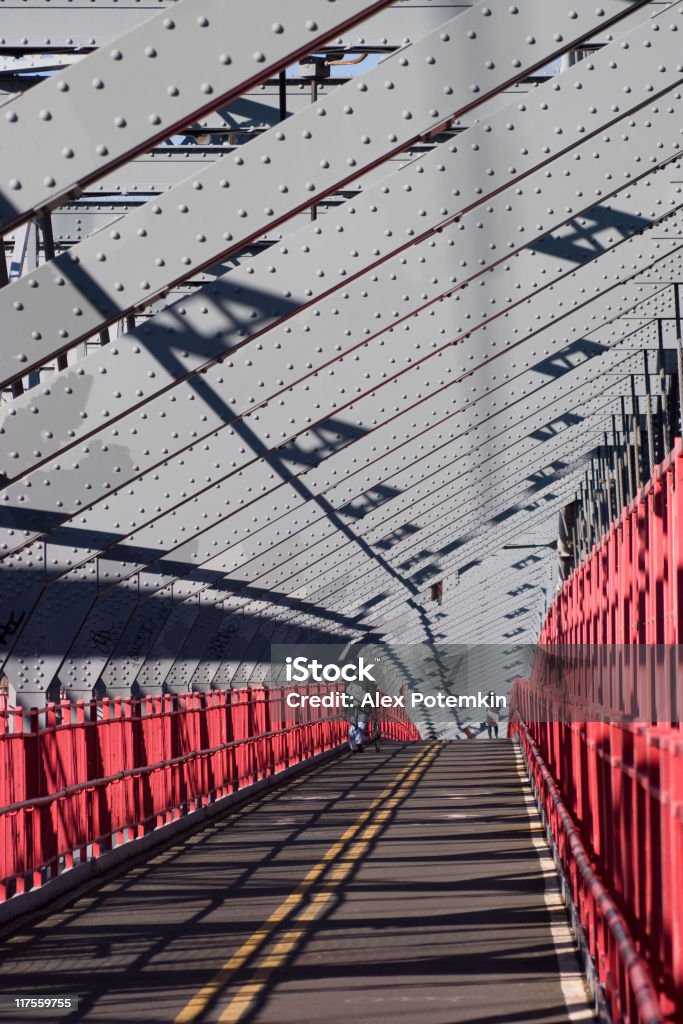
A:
{"points": [[116, 55], [150, 51], [259, 57], [67, 152], [15, 183]]}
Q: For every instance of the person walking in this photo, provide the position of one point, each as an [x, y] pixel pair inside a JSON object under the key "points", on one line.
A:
{"points": [[492, 720]]}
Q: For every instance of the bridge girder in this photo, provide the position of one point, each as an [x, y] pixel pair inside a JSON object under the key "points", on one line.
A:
{"points": [[369, 445]]}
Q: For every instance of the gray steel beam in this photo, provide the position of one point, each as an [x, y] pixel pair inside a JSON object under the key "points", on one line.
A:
{"points": [[26, 423], [110, 510], [397, 491], [104, 89], [157, 244], [119, 508], [192, 646], [39, 26]]}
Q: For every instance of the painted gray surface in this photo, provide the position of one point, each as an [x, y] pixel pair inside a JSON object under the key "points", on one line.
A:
{"points": [[359, 412]]}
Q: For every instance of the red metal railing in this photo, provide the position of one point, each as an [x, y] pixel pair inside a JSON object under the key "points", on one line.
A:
{"points": [[616, 632], [628, 985], [77, 780], [629, 590]]}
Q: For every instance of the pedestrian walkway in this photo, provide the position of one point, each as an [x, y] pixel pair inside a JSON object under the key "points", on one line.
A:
{"points": [[393, 887]]}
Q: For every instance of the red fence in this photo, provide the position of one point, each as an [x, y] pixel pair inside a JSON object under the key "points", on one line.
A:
{"points": [[621, 780], [630, 588], [77, 780], [627, 982]]}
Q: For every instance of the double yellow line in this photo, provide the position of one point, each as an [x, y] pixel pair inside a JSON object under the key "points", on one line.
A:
{"points": [[379, 810]]}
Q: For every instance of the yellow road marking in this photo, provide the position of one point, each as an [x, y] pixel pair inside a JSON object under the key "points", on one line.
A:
{"points": [[248, 992], [198, 1003]]}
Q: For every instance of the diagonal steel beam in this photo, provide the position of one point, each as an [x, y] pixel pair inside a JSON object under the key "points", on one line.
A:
{"points": [[89, 118], [85, 577], [47, 611], [175, 235], [204, 315], [121, 507]]}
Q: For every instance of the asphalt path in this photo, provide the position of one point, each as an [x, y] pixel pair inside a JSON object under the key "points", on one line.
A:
{"points": [[386, 887]]}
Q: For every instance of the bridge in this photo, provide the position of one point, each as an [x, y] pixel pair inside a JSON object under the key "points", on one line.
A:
{"points": [[341, 388]]}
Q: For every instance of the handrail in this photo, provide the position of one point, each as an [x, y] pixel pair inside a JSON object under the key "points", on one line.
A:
{"points": [[79, 787], [638, 971], [44, 801]]}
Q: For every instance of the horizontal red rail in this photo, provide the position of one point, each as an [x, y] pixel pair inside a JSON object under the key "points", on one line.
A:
{"points": [[77, 780], [630, 992], [44, 801], [604, 707]]}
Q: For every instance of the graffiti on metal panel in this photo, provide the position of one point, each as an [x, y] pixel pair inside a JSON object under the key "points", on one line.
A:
{"points": [[9, 628], [104, 640], [217, 645], [144, 633]]}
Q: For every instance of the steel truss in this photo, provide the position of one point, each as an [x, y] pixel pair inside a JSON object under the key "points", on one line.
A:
{"points": [[303, 446]]}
